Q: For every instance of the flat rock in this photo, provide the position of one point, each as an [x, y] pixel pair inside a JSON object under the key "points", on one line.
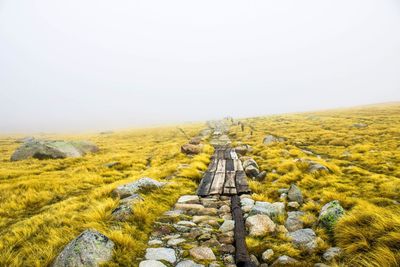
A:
{"points": [[175, 241], [188, 263], [202, 253], [167, 254], [260, 225], [227, 225], [293, 221], [151, 263], [90, 248], [189, 199], [284, 261], [332, 253], [271, 209], [144, 183], [267, 255], [305, 239]]}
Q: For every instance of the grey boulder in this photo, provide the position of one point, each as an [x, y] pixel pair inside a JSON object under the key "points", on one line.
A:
{"points": [[304, 239], [142, 184], [293, 221], [90, 248], [294, 194]]}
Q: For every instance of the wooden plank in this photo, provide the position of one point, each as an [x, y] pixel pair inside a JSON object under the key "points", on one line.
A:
{"points": [[230, 191], [242, 257], [238, 165], [218, 183], [233, 154], [230, 166], [241, 183], [221, 165], [212, 167], [221, 154], [227, 154], [205, 184]]}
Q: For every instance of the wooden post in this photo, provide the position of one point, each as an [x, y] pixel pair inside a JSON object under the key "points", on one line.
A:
{"points": [[242, 257]]}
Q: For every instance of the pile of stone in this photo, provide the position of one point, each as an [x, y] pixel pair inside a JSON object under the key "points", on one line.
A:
{"points": [[48, 149], [197, 232]]}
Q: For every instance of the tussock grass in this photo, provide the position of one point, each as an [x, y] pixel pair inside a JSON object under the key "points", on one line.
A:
{"points": [[45, 204]]}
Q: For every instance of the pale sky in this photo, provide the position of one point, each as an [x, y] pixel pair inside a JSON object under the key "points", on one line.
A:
{"points": [[82, 65]]}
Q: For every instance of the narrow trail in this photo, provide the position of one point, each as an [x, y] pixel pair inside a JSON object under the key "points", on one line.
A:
{"points": [[206, 229]]}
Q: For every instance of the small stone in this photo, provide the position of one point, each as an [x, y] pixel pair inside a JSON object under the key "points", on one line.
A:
{"points": [[186, 223], [167, 254], [332, 253], [226, 240], [188, 263], [228, 259], [247, 202], [283, 190], [129, 189], [204, 237], [175, 242], [202, 253], [320, 264], [304, 239], [252, 171], [227, 217], [273, 210], [228, 225], [246, 209], [293, 205], [284, 261], [259, 225], [294, 194], [267, 255], [293, 221], [227, 249], [155, 242], [330, 214], [254, 259], [151, 263], [208, 211], [225, 209], [283, 197], [261, 176], [189, 199]]}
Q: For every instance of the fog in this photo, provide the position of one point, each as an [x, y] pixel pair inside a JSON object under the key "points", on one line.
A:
{"points": [[98, 65]]}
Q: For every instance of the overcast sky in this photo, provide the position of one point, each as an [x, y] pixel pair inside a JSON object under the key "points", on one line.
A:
{"points": [[93, 65]]}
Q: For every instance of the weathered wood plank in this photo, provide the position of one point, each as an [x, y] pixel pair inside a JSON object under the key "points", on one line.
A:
{"points": [[221, 165], [212, 167], [241, 183], [233, 154], [205, 184], [218, 183], [227, 154], [230, 166], [238, 165], [221, 153], [229, 191]]}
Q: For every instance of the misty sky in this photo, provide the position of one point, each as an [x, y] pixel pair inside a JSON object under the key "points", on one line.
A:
{"points": [[96, 65]]}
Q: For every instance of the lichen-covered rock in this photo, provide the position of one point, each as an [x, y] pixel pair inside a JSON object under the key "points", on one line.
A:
{"points": [[293, 221], [305, 239], [90, 248], [166, 254], [144, 183], [330, 214], [273, 210], [294, 194], [44, 149], [260, 225], [124, 210], [270, 139]]}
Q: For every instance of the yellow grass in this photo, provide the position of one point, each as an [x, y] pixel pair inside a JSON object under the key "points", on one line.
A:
{"points": [[364, 177], [45, 204]]}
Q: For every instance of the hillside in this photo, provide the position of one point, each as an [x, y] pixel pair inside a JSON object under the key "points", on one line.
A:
{"points": [[45, 204]]}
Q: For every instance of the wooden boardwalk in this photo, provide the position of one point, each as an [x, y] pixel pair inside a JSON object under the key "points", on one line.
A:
{"points": [[225, 175]]}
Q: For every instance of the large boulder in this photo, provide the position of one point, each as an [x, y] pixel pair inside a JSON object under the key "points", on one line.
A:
{"points": [[330, 214], [44, 149], [270, 139], [190, 149], [142, 184], [294, 194], [273, 210], [304, 239], [260, 225], [90, 248]]}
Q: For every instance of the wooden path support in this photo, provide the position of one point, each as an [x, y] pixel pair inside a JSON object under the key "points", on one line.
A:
{"points": [[242, 257], [224, 176]]}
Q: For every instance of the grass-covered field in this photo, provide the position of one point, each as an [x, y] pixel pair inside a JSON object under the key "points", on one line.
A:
{"points": [[364, 177], [44, 204]]}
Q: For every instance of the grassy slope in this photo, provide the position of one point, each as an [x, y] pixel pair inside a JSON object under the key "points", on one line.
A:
{"points": [[45, 204], [365, 177]]}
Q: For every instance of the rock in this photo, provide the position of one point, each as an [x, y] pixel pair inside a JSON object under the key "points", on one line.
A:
{"points": [[293, 205], [247, 161], [317, 167], [294, 194], [25, 139], [283, 197], [254, 259], [122, 213], [151, 263], [189, 199], [224, 209], [190, 149], [208, 211], [332, 253], [272, 210], [144, 183], [195, 140], [284, 261], [202, 253], [270, 139], [229, 259], [90, 248], [283, 190], [186, 223], [320, 264], [44, 149], [330, 214], [281, 229], [166, 254], [247, 202], [155, 242], [131, 200], [227, 226], [293, 221], [112, 164], [175, 241], [304, 239], [188, 263], [243, 149], [204, 237], [226, 249], [259, 225], [261, 176], [267, 255], [359, 125], [251, 171]]}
